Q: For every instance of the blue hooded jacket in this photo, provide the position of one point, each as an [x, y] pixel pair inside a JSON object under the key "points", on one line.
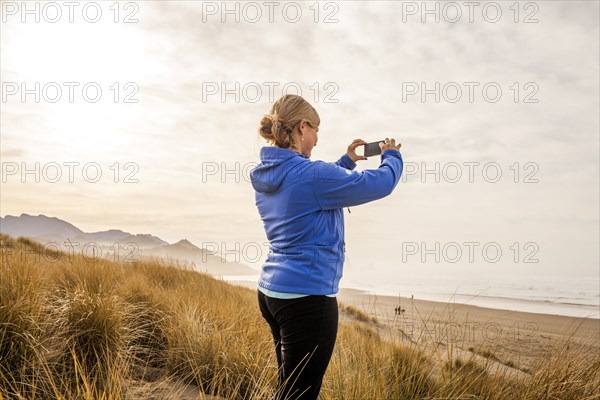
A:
{"points": [[301, 205]]}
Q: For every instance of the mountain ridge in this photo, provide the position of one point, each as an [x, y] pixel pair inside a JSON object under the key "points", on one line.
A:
{"points": [[117, 242]]}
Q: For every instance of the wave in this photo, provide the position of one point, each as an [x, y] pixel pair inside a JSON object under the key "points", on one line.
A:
{"points": [[508, 297]]}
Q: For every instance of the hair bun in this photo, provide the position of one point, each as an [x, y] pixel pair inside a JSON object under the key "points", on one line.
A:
{"points": [[266, 126]]}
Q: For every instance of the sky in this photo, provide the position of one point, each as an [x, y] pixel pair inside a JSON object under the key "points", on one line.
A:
{"points": [[146, 120]]}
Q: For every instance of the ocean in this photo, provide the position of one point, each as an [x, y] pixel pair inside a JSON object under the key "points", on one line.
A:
{"points": [[568, 296]]}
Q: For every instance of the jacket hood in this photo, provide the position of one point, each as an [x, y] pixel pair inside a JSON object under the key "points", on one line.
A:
{"points": [[271, 172]]}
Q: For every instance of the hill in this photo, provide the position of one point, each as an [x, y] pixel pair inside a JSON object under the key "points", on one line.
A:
{"points": [[78, 328], [51, 229], [199, 259], [38, 227], [117, 245]]}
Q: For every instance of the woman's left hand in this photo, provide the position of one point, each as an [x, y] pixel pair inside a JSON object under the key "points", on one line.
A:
{"points": [[352, 150]]}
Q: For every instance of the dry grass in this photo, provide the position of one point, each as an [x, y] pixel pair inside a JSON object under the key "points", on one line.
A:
{"points": [[357, 313], [72, 328]]}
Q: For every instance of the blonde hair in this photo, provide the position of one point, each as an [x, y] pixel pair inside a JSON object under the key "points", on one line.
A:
{"points": [[286, 113]]}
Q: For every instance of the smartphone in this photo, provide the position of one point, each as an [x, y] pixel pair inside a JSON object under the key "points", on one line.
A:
{"points": [[372, 149]]}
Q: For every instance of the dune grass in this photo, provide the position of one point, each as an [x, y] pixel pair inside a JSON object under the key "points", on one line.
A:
{"points": [[357, 313], [80, 328]]}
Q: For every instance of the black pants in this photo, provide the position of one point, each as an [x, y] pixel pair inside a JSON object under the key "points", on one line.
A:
{"points": [[304, 332]]}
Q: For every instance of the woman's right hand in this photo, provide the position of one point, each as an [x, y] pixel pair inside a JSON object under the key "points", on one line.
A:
{"points": [[389, 144]]}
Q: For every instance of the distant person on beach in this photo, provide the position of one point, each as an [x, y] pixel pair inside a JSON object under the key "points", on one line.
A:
{"points": [[301, 204]]}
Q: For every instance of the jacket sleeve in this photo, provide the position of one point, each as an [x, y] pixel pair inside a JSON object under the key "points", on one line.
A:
{"points": [[345, 162], [336, 187]]}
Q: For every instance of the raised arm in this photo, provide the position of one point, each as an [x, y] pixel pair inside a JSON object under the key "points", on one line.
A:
{"points": [[337, 187], [345, 162]]}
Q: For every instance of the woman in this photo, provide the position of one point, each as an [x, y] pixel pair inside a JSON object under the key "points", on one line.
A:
{"points": [[301, 205]]}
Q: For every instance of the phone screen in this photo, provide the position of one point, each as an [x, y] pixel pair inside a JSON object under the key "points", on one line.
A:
{"points": [[372, 149]]}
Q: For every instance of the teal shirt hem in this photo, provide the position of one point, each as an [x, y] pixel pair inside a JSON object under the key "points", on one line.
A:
{"points": [[286, 295]]}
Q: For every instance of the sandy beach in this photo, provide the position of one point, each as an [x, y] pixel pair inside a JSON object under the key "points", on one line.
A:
{"points": [[508, 338]]}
